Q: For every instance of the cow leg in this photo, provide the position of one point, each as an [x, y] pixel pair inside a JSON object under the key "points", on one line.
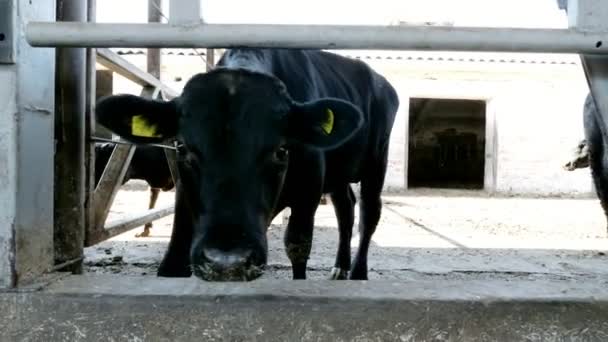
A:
{"points": [[344, 207], [298, 238], [370, 207], [153, 197], [176, 262]]}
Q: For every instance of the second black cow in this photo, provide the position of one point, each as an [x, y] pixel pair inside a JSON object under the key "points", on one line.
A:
{"points": [[265, 130], [597, 146], [148, 163]]}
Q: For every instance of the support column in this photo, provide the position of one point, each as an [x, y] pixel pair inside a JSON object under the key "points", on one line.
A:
{"points": [[153, 56], [90, 127], [26, 150], [70, 108], [185, 11], [588, 15]]}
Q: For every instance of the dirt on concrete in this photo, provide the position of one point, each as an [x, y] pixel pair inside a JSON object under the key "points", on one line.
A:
{"points": [[423, 234]]}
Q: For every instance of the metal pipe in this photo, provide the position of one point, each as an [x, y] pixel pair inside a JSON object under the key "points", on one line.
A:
{"points": [[70, 105], [90, 127], [320, 36], [119, 142]]}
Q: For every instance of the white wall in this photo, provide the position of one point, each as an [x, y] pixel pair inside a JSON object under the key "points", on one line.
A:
{"points": [[538, 111]]}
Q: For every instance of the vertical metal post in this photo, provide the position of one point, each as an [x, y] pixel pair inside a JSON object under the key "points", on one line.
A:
{"points": [[154, 57], [70, 88], [90, 125], [189, 12], [210, 57], [184, 11], [591, 15]]}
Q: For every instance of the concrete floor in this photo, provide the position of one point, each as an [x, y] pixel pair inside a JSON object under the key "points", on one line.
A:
{"points": [[445, 266], [106, 307], [424, 235]]}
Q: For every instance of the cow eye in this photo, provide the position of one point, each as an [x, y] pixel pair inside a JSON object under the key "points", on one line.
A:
{"points": [[280, 154]]}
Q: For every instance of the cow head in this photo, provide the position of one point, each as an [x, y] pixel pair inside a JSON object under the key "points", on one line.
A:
{"points": [[234, 130], [580, 157]]}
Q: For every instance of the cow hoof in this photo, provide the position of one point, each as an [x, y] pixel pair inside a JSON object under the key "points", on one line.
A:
{"points": [[358, 277], [145, 233], [338, 274], [358, 274]]}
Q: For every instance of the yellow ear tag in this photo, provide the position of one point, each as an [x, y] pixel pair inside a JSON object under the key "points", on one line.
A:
{"points": [[141, 128], [328, 125]]}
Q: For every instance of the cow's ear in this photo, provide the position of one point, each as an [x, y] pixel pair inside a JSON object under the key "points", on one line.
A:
{"points": [[138, 119], [326, 123]]}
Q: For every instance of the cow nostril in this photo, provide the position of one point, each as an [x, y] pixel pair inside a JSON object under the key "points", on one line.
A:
{"points": [[227, 259]]}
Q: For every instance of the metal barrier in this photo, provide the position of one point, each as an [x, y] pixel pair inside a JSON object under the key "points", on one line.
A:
{"points": [[111, 180], [317, 37], [587, 36]]}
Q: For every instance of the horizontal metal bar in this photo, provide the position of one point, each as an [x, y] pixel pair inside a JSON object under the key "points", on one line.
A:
{"points": [[116, 63], [120, 142], [316, 36], [120, 226], [66, 264]]}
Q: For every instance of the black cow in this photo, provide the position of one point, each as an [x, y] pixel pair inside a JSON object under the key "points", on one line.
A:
{"points": [[148, 163], [265, 130], [597, 145]]}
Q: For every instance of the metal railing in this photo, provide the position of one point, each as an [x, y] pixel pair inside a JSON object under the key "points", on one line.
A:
{"points": [[76, 34], [111, 179]]}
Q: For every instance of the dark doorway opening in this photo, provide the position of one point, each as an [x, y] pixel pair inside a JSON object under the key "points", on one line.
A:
{"points": [[447, 139]]}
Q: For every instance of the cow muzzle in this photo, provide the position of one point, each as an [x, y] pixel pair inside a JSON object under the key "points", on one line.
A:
{"points": [[232, 265]]}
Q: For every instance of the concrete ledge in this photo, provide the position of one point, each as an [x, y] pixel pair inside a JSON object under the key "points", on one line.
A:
{"points": [[122, 308]]}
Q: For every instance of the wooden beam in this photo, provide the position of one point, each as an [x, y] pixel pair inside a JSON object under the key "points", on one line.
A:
{"points": [[104, 86], [114, 62], [109, 184], [120, 226]]}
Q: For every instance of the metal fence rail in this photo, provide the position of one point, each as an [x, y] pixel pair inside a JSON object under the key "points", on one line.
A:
{"points": [[103, 195], [121, 66], [75, 34]]}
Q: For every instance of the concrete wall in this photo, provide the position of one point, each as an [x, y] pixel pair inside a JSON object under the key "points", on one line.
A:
{"points": [[26, 153], [8, 174]]}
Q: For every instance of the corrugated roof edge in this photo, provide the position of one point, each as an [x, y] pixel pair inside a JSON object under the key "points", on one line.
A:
{"points": [[444, 56]]}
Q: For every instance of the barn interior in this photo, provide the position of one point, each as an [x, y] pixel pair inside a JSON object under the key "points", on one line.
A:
{"points": [[446, 143]]}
